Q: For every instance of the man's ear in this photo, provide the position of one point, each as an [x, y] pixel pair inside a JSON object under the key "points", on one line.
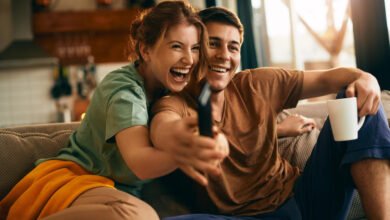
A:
{"points": [[144, 51]]}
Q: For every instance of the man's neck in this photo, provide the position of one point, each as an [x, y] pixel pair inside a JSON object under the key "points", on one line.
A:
{"points": [[217, 102]]}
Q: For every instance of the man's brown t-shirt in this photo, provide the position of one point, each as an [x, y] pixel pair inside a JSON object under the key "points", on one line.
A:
{"points": [[255, 178]]}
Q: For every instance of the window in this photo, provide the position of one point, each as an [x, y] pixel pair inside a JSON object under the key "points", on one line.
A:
{"points": [[305, 34]]}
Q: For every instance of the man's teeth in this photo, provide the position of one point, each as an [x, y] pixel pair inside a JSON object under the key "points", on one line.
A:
{"points": [[218, 69]]}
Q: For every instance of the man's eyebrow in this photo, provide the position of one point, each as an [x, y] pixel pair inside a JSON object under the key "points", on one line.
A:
{"points": [[214, 38], [219, 39], [235, 42]]}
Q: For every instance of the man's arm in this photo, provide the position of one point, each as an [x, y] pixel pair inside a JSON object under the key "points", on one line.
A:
{"points": [[357, 82]]}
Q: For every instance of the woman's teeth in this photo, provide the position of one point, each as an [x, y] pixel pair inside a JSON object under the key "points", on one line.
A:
{"points": [[179, 74], [181, 71]]}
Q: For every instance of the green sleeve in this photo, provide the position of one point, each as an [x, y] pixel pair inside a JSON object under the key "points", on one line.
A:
{"points": [[126, 108]]}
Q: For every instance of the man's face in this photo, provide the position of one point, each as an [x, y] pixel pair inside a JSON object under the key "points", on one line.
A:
{"points": [[224, 54]]}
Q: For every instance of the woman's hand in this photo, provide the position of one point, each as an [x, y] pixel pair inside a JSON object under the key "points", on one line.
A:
{"points": [[178, 137], [295, 125], [199, 175]]}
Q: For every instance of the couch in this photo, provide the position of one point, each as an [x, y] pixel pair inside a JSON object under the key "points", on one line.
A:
{"points": [[21, 146]]}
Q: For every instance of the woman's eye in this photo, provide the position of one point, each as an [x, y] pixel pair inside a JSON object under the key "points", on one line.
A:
{"points": [[196, 48], [175, 46]]}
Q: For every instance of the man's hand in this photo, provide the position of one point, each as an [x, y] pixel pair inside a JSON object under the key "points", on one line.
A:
{"points": [[294, 125], [367, 91]]}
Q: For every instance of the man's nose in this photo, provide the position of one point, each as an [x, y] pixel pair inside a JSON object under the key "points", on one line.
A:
{"points": [[223, 53]]}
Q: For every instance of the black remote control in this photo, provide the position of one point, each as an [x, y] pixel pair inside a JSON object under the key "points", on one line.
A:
{"points": [[205, 121]]}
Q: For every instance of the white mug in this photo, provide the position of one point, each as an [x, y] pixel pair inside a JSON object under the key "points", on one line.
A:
{"points": [[343, 116]]}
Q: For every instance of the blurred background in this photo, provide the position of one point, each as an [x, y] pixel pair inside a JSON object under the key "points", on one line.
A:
{"points": [[53, 53]]}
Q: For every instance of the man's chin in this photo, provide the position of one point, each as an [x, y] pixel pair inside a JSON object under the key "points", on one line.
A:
{"points": [[217, 88]]}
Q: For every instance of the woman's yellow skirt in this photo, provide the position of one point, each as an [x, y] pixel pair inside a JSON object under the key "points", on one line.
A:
{"points": [[49, 188]]}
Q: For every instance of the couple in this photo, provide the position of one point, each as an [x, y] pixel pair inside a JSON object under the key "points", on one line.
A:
{"points": [[110, 155]]}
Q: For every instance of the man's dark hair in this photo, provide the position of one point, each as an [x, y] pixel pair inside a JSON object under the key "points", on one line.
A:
{"points": [[222, 15]]}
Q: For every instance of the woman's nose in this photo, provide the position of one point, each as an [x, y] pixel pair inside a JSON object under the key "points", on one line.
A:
{"points": [[187, 58]]}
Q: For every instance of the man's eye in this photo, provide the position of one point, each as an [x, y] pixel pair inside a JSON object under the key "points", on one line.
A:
{"points": [[213, 44], [234, 48]]}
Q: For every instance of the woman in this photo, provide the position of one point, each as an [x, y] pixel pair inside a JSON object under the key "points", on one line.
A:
{"points": [[111, 148]]}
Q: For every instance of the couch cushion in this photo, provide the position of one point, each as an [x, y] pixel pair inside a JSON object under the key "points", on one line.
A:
{"points": [[21, 147]]}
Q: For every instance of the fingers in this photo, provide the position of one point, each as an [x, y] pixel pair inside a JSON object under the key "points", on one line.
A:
{"points": [[210, 166], [350, 91], [307, 129], [192, 155], [201, 154], [215, 130], [367, 91], [368, 104], [376, 106], [190, 122], [194, 174], [308, 122]]}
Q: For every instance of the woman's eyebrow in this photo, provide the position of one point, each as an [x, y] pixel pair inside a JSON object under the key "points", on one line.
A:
{"points": [[175, 41]]}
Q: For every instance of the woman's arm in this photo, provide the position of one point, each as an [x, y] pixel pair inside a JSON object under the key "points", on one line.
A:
{"points": [[144, 160]]}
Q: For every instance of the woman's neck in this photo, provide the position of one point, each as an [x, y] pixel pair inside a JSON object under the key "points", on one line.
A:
{"points": [[153, 87]]}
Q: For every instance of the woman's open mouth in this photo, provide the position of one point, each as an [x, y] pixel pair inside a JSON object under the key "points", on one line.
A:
{"points": [[180, 74]]}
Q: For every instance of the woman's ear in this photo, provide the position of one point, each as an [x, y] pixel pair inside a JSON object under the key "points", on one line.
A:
{"points": [[144, 51]]}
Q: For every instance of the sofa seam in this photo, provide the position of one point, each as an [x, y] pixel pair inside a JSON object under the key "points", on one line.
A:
{"points": [[37, 134]]}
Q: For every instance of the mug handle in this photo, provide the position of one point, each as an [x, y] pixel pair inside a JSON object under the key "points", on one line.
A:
{"points": [[361, 122]]}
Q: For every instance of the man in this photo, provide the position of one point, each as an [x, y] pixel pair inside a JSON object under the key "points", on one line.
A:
{"points": [[254, 180]]}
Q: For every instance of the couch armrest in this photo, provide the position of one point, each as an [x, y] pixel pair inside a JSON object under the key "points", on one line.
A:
{"points": [[21, 146]]}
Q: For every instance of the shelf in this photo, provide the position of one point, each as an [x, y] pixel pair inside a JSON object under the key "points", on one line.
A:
{"points": [[72, 36], [82, 21]]}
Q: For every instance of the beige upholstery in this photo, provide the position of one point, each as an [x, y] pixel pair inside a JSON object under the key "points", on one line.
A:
{"points": [[21, 147]]}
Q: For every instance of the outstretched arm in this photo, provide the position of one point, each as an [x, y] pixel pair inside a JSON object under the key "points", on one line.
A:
{"points": [[196, 155], [140, 156], [357, 83]]}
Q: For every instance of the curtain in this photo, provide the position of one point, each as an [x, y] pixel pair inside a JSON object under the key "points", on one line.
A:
{"points": [[248, 49], [210, 3], [371, 37]]}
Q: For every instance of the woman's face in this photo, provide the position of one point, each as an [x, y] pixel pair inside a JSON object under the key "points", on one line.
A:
{"points": [[172, 59]]}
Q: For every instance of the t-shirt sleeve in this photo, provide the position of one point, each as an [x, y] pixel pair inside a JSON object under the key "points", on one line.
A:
{"points": [[125, 109], [173, 103], [281, 88]]}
